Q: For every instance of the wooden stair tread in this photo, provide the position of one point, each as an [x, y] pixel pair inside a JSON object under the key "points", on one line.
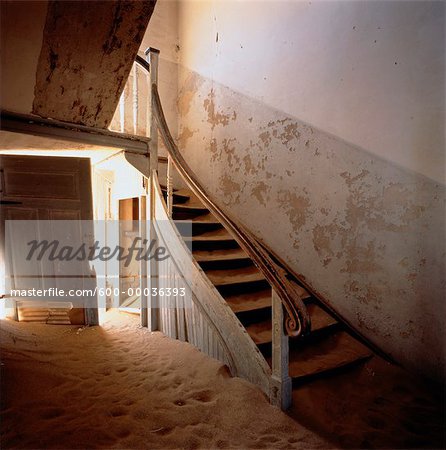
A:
{"points": [[220, 255], [214, 235], [189, 207], [184, 192], [260, 332], [302, 291], [198, 221], [332, 353], [250, 301], [180, 193], [233, 276], [319, 318]]}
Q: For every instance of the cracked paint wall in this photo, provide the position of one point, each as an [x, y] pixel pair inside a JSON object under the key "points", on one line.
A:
{"points": [[69, 60], [357, 208]]}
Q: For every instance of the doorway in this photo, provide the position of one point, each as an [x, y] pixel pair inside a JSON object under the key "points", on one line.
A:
{"points": [[36, 193], [129, 270]]}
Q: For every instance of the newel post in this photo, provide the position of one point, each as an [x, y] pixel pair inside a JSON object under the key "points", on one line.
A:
{"points": [[152, 56], [281, 384]]}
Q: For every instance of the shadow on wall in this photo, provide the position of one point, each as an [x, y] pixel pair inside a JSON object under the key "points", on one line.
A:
{"points": [[364, 232]]}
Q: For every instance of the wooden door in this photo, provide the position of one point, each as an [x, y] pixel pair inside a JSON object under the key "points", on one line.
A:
{"points": [[46, 190]]}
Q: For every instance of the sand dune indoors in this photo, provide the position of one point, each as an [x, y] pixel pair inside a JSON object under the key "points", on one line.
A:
{"points": [[120, 386]]}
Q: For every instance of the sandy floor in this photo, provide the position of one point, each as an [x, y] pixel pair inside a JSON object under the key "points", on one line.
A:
{"points": [[377, 405], [120, 386]]}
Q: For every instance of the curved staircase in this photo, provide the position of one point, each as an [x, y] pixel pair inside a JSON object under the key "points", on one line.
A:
{"points": [[245, 306], [329, 347]]}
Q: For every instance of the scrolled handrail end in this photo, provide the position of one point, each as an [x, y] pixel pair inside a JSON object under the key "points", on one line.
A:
{"points": [[297, 327]]}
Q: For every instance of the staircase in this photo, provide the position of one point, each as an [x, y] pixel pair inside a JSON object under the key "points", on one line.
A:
{"points": [[245, 306], [329, 348]]}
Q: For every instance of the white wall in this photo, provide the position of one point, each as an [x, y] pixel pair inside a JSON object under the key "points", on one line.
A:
{"points": [[369, 72], [303, 127], [162, 33]]}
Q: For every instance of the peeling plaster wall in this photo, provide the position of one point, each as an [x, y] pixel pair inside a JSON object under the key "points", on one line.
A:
{"points": [[87, 52], [357, 210], [69, 60]]}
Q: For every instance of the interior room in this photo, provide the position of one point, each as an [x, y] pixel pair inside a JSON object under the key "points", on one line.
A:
{"points": [[222, 224]]}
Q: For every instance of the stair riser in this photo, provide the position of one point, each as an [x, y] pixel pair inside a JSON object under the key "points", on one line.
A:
{"points": [[189, 211], [213, 245], [316, 336], [225, 264], [239, 288], [300, 381], [180, 199], [253, 316], [198, 228], [185, 215], [265, 349]]}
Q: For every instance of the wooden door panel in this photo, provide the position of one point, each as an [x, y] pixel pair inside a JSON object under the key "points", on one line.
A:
{"points": [[46, 189], [45, 185]]}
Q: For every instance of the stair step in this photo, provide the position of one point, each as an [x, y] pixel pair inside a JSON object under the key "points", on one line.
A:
{"points": [[260, 332], [236, 281], [234, 276], [333, 353], [304, 294], [220, 255], [58, 321], [250, 301], [198, 225], [180, 196], [212, 240], [221, 259], [188, 211], [320, 320], [194, 208]]}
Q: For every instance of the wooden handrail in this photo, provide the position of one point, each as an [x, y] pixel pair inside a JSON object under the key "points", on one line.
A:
{"points": [[297, 320]]}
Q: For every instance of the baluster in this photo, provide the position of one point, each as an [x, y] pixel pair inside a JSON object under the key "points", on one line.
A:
{"points": [[152, 55], [169, 186], [122, 111], [281, 385], [135, 98]]}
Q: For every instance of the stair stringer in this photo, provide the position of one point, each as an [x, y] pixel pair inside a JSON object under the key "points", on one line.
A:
{"points": [[209, 322]]}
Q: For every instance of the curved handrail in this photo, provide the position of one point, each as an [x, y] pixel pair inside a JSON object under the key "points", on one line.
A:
{"points": [[297, 321], [242, 356]]}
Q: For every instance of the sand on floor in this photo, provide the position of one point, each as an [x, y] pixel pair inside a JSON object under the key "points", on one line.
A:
{"points": [[121, 386], [376, 405]]}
